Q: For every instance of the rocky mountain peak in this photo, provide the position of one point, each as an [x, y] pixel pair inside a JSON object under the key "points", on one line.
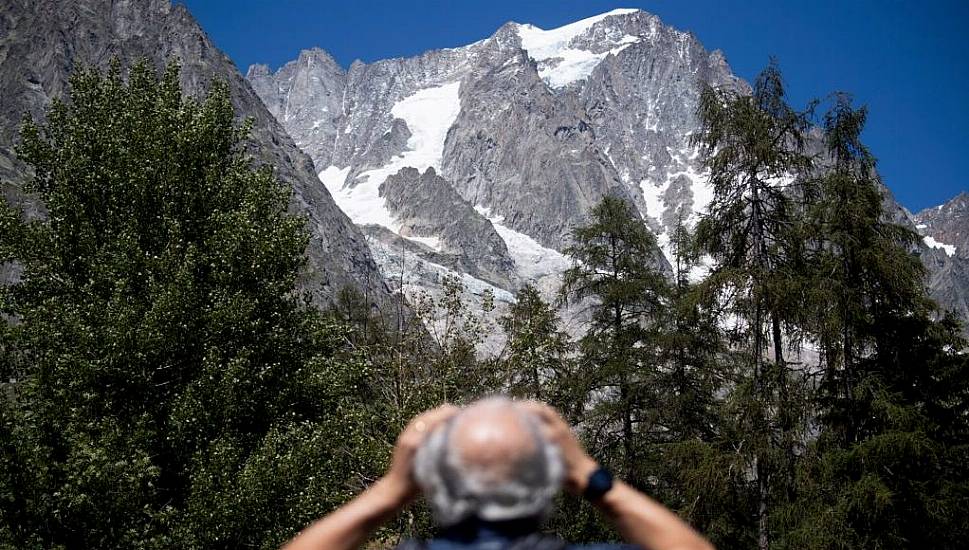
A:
{"points": [[946, 226], [318, 58], [258, 70], [528, 128]]}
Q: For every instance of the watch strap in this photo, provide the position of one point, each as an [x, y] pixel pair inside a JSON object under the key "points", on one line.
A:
{"points": [[600, 483]]}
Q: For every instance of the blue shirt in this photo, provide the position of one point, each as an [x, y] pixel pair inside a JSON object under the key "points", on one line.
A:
{"points": [[482, 535]]}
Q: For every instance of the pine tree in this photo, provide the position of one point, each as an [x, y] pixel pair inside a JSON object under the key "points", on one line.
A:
{"points": [[694, 463], [868, 270], [691, 345], [614, 259], [753, 149], [173, 389], [892, 401]]}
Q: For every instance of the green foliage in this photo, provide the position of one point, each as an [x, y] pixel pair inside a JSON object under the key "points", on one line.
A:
{"points": [[892, 396], [414, 362], [613, 261], [175, 390], [537, 361], [753, 149], [865, 272], [164, 385], [696, 465]]}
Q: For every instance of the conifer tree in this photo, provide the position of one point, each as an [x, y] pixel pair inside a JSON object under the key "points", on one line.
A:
{"points": [[752, 146], [694, 463], [614, 267], [892, 401], [690, 344], [866, 271], [416, 361]]}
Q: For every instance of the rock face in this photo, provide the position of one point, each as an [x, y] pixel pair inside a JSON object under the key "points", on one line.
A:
{"points": [[946, 226], [530, 127], [42, 41], [945, 231], [427, 207]]}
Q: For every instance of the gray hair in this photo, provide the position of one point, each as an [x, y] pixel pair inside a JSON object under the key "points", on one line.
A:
{"points": [[457, 491]]}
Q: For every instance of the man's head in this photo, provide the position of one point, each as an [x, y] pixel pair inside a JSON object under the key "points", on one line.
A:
{"points": [[489, 461]]}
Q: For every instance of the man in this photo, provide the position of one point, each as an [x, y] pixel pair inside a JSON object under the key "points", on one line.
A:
{"points": [[490, 472]]}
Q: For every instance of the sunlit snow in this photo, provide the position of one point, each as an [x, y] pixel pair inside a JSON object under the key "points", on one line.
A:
{"points": [[656, 206], [432, 242], [950, 250], [429, 114], [532, 260], [654, 197], [563, 63], [700, 271], [417, 269]]}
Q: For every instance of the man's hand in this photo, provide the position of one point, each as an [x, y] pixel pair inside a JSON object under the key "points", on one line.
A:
{"points": [[578, 464], [640, 519], [400, 475]]}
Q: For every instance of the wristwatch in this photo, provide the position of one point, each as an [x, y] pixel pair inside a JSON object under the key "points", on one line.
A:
{"points": [[600, 482]]}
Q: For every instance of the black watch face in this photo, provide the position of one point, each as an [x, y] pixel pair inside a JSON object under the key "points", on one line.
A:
{"points": [[600, 482]]}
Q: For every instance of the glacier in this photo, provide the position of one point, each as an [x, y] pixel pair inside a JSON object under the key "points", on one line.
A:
{"points": [[428, 113]]}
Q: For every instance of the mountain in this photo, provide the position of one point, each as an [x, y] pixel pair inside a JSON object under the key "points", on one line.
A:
{"points": [[529, 127], [42, 41], [946, 227], [945, 231]]}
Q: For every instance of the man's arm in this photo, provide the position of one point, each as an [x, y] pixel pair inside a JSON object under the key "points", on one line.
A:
{"points": [[640, 519], [351, 524], [645, 522]]}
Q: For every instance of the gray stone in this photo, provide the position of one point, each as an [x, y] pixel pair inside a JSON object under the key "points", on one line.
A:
{"points": [[539, 156], [427, 206], [948, 279]]}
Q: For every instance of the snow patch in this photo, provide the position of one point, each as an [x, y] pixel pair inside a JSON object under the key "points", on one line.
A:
{"points": [[532, 260], [702, 194], [333, 178], [656, 207], [949, 249], [429, 114], [701, 270], [363, 203], [417, 269], [564, 64]]}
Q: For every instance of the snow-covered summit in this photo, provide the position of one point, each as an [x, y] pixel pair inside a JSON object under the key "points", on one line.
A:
{"points": [[562, 61], [480, 160], [534, 125]]}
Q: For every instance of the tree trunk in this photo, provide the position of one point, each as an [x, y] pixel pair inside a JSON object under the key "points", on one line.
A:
{"points": [[763, 493], [763, 391]]}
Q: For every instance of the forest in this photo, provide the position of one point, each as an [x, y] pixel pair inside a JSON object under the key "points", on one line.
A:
{"points": [[166, 383]]}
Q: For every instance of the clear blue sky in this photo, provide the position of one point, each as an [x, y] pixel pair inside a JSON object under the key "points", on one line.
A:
{"points": [[907, 60]]}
